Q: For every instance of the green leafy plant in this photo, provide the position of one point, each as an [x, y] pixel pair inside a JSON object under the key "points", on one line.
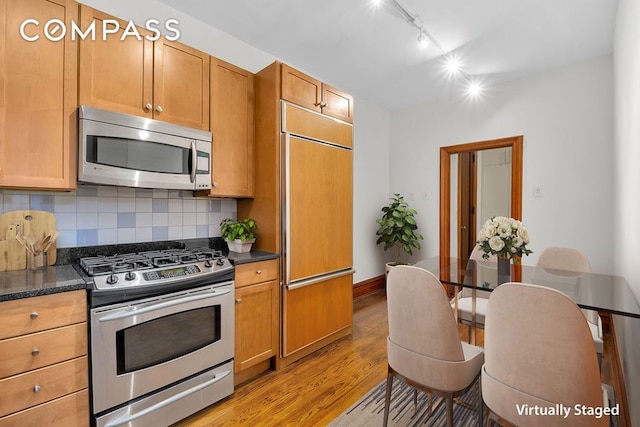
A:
{"points": [[241, 229], [398, 227]]}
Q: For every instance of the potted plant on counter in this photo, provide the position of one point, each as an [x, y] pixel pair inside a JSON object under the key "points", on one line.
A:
{"points": [[397, 229], [238, 234]]}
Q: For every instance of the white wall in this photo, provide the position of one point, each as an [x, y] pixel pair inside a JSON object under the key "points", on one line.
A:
{"points": [[627, 178], [371, 123], [370, 186], [566, 117]]}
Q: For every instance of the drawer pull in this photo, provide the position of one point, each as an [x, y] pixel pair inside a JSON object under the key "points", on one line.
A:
{"points": [[36, 388], [35, 352], [34, 315], [238, 301], [258, 271]]}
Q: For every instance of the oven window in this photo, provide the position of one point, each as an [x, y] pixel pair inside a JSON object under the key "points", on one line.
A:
{"points": [[166, 338], [138, 155]]}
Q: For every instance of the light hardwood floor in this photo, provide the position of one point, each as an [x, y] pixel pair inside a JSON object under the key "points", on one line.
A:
{"points": [[315, 390]]}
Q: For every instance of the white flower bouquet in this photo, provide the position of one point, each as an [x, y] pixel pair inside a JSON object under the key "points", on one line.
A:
{"points": [[504, 237]]}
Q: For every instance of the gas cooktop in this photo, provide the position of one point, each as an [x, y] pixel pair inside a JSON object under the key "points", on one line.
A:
{"points": [[132, 271]]}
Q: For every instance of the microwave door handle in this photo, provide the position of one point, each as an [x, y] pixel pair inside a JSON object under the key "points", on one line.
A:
{"points": [[194, 161]]}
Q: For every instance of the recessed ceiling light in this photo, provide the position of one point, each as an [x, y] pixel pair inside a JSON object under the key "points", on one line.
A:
{"points": [[474, 88], [376, 3]]}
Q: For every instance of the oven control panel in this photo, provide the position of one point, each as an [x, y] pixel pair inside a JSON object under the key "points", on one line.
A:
{"points": [[162, 275], [171, 272]]}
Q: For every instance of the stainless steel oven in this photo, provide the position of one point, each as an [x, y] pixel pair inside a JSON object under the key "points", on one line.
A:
{"points": [[162, 338]]}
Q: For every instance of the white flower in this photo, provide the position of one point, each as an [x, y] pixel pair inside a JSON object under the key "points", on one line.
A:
{"points": [[524, 235], [504, 229], [517, 242], [489, 230], [496, 243]]}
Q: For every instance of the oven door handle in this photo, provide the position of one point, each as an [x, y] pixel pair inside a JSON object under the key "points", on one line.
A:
{"points": [[127, 312], [129, 418]]}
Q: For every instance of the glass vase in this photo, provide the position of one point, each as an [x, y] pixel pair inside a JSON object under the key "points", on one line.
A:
{"points": [[504, 270]]}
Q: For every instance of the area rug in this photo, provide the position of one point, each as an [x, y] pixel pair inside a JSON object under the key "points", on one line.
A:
{"points": [[369, 410]]}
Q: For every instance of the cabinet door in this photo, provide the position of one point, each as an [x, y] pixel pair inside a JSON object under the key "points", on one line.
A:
{"points": [[301, 89], [115, 75], [337, 104], [180, 84], [256, 324], [232, 125], [316, 311], [38, 97]]}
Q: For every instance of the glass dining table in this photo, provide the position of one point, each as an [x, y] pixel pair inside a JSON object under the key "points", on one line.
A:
{"points": [[594, 291]]}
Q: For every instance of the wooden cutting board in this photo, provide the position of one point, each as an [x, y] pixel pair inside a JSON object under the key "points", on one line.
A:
{"points": [[27, 222]]}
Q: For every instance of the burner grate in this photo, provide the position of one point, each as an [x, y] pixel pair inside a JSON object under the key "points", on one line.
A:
{"points": [[100, 265]]}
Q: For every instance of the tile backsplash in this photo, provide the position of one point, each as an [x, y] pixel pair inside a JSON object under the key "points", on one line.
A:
{"points": [[102, 215]]}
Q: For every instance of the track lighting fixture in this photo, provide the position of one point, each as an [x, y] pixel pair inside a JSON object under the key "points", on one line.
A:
{"points": [[425, 38]]}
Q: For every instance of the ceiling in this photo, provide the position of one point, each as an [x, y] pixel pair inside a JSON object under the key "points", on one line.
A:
{"points": [[373, 52]]}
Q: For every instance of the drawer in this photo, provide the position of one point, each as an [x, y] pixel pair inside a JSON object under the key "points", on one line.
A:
{"points": [[42, 385], [256, 272], [37, 350], [67, 411], [28, 315]]}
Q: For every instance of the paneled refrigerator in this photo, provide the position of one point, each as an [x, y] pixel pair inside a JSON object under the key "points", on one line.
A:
{"points": [[303, 205], [317, 206]]}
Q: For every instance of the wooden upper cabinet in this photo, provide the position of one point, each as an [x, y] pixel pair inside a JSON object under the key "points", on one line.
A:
{"points": [[301, 89], [38, 98], [158, 79], [115, 75], [232, 125], [337, 104], [310, 93], [180, 84]]}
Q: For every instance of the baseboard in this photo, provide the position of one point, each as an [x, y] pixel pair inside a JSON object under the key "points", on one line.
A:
{"points": [[621, 395], [368, 286]]}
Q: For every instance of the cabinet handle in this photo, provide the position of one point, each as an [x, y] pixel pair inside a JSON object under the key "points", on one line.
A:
{"points": [[238, 300], [36, 388], [318, 104], [159, 109], [35, 352], [148, 106], [258, 271], [215, 183], [323, 104], [34, 315]]}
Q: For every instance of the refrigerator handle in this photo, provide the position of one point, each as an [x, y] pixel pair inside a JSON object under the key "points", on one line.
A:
{"points": [[285, 208], [319, 279]]}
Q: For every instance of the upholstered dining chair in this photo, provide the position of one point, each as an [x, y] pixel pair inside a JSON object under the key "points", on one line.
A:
{"points": [[465, 296], [571, 259], [423, 348], [538, 358]]}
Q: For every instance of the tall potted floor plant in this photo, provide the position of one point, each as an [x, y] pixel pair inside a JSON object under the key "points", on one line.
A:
{"points": [[397, 229]]}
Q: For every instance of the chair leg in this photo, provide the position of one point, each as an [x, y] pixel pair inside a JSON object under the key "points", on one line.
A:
{"points": [[429, 405], [449, 411], [387, 398], [479, 400], [415, 400]]}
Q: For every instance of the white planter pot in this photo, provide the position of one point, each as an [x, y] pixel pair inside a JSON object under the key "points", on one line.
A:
{"points": [[241, 246]]}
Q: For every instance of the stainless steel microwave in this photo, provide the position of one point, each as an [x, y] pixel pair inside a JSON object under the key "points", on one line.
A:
{"points": [[124, 150]]}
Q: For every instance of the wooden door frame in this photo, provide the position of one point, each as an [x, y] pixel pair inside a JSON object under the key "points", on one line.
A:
{"points": [[516, 145]]}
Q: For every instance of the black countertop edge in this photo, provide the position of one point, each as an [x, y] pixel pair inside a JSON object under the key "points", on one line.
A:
{"points": [[253, 256]]}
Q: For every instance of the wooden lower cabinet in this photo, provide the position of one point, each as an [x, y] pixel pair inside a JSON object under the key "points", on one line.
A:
{"points": [[257, 314], [43, 361]]}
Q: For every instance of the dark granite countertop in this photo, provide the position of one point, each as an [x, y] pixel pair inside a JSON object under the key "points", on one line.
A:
{"points": [[253, 256], [31, 283]]}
